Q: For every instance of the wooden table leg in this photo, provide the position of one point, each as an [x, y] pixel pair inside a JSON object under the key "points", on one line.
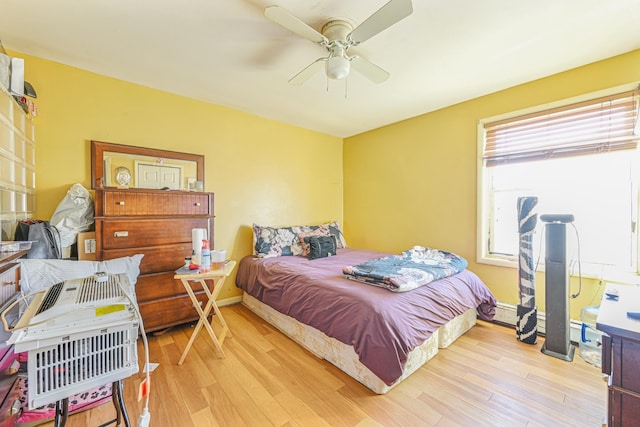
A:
{"points": [[212, 297], [203, 321]]}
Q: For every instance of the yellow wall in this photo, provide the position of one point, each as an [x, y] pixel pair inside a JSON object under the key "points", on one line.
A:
{"points": [[259, 169], [414, 182], [410, 183]]}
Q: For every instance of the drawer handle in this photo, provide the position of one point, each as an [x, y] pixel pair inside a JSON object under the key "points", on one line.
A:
{"points": [[120, 234], [9, 283], [196, 204], [121, 203], [14, 368], [16, 407]]}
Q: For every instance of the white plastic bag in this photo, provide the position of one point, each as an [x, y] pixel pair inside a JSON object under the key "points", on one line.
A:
{"points": [[74, 214]]}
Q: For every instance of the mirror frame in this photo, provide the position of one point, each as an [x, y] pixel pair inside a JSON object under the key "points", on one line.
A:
{"points": [[98, 149]]}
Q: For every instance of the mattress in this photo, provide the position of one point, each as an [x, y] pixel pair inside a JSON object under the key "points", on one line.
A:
{"points": [[383, 328], [345, 358]]}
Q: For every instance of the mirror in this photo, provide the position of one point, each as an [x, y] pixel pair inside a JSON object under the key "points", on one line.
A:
{"points": [[117, 165]]}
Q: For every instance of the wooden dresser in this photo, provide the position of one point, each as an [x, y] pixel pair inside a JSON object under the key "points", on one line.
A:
{"points": [[621, 354], [158, 224], [9, 365]]}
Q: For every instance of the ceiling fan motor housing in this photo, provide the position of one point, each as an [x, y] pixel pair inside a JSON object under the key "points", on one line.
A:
{"points": [[337, 30], [337, 65]]}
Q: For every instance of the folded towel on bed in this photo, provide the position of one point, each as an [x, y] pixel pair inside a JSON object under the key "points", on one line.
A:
{"points": [[411, 269]]}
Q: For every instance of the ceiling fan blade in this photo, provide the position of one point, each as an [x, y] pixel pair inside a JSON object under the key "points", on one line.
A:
{"points": [[369, 69], [286, 19], [308, 72], [382, 19]]}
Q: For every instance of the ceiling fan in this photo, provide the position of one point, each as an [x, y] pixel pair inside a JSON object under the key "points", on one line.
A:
{"points": [[337, 36]]}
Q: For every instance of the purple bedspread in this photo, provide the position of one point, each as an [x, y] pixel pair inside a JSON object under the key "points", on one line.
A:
{"points": [[382, 326]]}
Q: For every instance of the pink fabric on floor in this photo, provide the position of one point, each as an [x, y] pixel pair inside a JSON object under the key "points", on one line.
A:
{"points": [[77, 403]]}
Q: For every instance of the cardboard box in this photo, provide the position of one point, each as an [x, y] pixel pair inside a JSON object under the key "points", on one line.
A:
{"points": [[87, 246]]}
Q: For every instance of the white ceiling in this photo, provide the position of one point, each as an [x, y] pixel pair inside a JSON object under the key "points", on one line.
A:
{"points": [[228, 53]]}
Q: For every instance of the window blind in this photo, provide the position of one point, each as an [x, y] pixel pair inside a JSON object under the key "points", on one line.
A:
{"points": [[600, 125]]}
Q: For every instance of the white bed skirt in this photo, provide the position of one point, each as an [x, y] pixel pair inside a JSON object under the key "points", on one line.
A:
{"points": [[344, 357]]}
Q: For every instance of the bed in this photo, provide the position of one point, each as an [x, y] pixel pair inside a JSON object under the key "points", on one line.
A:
{"points": [[376, 336]]}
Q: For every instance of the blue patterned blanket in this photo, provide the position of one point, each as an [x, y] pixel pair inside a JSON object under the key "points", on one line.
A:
{"points": [[409, 270]]}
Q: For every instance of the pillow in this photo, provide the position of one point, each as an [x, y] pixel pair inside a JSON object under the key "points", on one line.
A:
{"points": [[37, 274], [321, 246], [323, 230], [283, 241], [273, 242], [129, 265], [334, 229]]}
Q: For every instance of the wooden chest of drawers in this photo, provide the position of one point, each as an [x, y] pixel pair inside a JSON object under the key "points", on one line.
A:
{"points": [[9, 365], [9, 387], [621, 354], [157, 224]]}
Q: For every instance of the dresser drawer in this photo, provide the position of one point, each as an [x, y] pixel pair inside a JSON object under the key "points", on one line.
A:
{"points": [[169, 312], [8, 280], [10, 408], [9, 366], [9, 363], [160, 286], [624, 408], [158, 258], [131, 233], [626, 360], [126, 203]]}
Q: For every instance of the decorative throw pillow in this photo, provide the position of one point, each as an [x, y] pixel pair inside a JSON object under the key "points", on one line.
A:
{"points": [[274, 242], [334, 229], [321, 246], [323, 230]]}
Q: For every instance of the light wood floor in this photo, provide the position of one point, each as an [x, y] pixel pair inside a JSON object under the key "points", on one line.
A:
{"points": [[486, 378]]}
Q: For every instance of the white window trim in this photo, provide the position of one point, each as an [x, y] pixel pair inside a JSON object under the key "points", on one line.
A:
{"points": [[482, 255]]}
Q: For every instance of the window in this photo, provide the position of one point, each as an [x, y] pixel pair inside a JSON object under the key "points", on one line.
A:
{"points": [[580, 159]]}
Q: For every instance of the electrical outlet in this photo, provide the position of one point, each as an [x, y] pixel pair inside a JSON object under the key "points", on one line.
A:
{"points": [[90, 246]]}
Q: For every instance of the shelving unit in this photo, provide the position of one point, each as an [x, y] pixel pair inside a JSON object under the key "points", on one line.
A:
{"points": [[17, 201], [17, 165]]}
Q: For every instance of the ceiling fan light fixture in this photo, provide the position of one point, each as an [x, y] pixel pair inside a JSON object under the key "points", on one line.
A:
{"points": [[338, 67], [338, 35]]}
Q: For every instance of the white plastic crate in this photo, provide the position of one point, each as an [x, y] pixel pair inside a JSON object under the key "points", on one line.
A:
{"points": [[59, 367]]}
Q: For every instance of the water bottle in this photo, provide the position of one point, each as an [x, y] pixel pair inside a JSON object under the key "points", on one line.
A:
{"points": [[205, 265], [590, 346]]}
